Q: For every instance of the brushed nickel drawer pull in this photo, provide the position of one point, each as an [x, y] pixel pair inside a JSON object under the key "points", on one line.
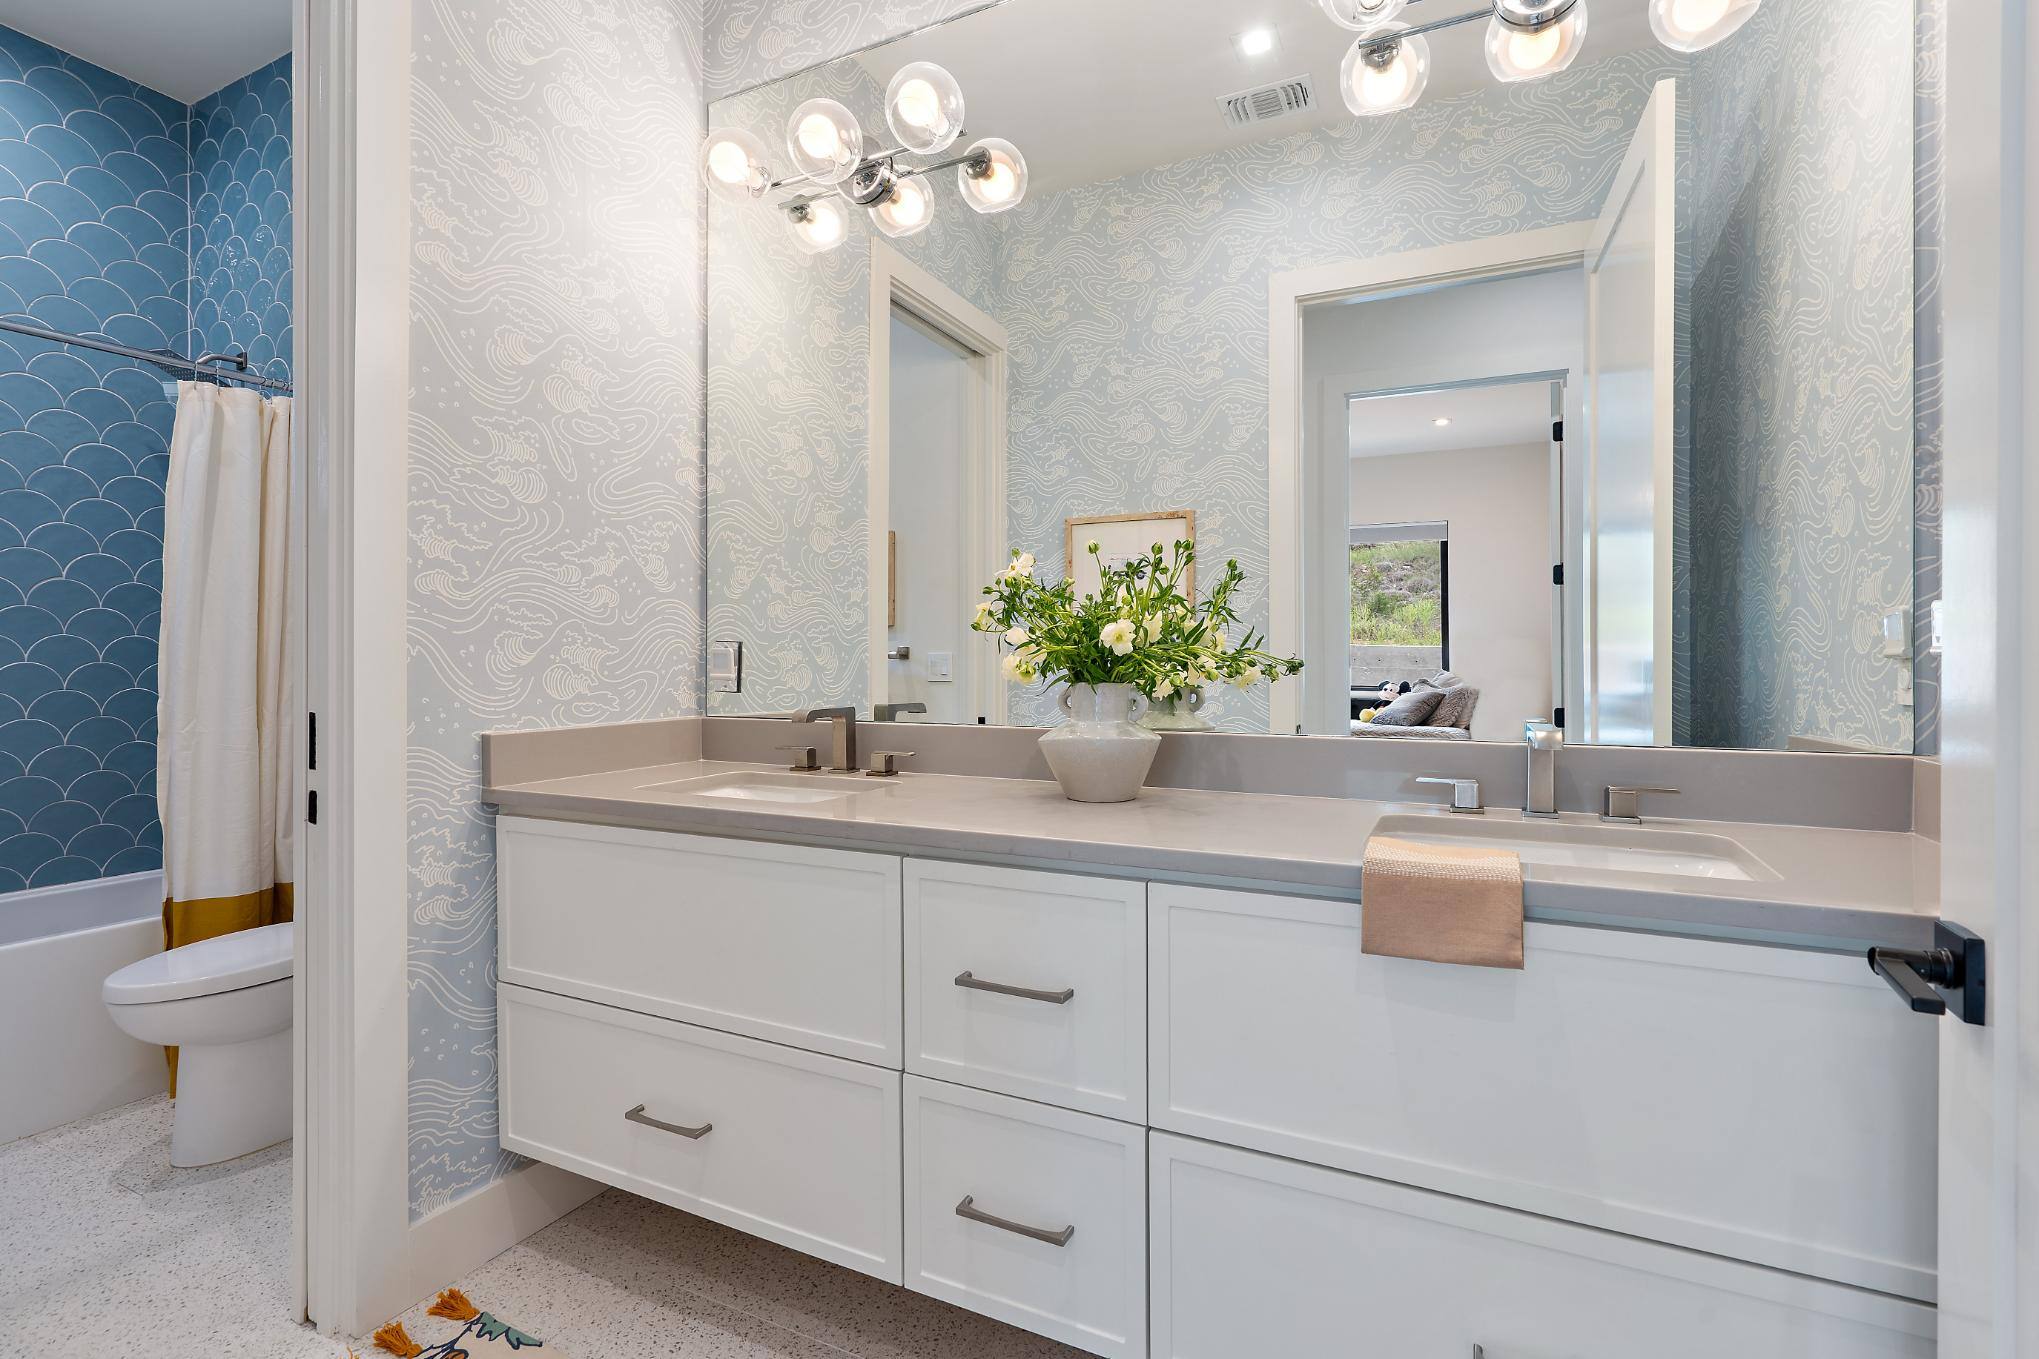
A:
{"points": [[1062, 997], [638, 1115], [968, 1209]]}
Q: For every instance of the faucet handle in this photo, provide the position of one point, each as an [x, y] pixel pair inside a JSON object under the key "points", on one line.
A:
{"points": [[1622, 803], [1465, 793], [885, 763], [807, 759]]}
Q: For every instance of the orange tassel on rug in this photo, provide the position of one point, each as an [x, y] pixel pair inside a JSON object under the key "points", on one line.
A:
{"points": [[394, 1339], [453, 1305]]}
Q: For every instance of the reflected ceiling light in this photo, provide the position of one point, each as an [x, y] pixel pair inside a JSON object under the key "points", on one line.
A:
{"points": [[1362, 16], [924, 108], [1441, 421], [818, 225], [825, 141], [734, 163], [1530, 39], [907, 210], [1256, 42], [1694, 25], [1383, 73], [993, 176]]}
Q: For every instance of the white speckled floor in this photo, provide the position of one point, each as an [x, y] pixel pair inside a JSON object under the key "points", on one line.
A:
{"points": [[106, 1250], [623, 1275]]}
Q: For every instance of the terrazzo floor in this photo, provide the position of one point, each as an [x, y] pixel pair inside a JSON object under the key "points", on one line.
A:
{"points": [[105, 1250]]}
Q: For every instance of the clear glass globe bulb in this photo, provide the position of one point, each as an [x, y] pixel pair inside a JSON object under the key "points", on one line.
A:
{"points": [[1695, 25]]}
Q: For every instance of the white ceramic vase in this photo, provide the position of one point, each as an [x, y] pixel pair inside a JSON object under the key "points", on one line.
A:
{"points": [[1099, 754], [1180, 711]]}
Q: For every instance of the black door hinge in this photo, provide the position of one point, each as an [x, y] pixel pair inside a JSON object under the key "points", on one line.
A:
{"points": [[311, 807], [1557, 574], [1557, 718], [311, 740], [1557, 431]]}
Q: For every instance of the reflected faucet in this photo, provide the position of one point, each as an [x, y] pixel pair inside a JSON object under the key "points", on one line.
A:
{"points": [[1543, 742], [890, 712], [844, 720]]}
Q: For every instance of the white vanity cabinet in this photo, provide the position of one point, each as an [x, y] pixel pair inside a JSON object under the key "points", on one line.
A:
{"points": [[1189, 1121]]}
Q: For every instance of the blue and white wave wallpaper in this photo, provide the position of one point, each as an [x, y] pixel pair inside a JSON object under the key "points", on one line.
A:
{"points": [[97, 237]]}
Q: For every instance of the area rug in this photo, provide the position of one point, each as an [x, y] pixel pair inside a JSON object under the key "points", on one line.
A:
{"points": [[481, 1336]]}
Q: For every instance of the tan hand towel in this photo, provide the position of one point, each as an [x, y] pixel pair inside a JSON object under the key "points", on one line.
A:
{"points": [[1441, 903]]}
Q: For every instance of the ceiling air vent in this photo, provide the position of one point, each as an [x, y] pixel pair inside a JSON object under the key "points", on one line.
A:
{"points": [[1268, 102]]}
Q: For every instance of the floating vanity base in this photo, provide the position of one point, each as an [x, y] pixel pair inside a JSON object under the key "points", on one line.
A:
{"points": [[1197, 1122]]}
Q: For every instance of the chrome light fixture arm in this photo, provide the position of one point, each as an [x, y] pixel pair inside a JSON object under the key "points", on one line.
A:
{"points": [[874, 179], [1526, 15]]}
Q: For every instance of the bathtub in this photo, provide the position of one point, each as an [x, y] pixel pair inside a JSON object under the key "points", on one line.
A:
{"points": [[61, 1058]]}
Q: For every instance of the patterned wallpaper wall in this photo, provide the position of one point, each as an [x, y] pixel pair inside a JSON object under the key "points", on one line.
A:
{"points": [[789, 344], [1802, 416], [241, 220], [554, 458], [95, 238]]}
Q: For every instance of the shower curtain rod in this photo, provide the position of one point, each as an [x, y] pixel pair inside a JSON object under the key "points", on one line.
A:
{"points": [[208, 365]]}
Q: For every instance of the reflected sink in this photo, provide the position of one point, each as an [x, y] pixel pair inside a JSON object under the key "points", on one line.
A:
{"points": [[761, 787], [1591, 845]]}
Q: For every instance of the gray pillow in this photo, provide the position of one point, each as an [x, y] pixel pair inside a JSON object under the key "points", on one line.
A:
{"points": [[1456, 707], [1412, 709]]}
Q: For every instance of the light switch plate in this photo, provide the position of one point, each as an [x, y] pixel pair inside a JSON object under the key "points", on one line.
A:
{"points": [[940, 668], [725, 667], [1936, 634]]}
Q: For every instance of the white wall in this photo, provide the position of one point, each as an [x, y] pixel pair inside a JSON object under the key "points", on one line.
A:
{"points": [[1477, 331], [1497, 504], [930, 431]]}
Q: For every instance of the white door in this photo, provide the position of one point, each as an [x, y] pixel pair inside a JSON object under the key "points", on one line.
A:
{"points": [[1630, 301], [931, 594]]}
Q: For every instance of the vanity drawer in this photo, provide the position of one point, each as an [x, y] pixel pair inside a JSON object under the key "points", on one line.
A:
{"points": [[1259, 1256], [1077, 948], [782, 942], [1731, 1098], [801, 1149], [1029, 1169]]}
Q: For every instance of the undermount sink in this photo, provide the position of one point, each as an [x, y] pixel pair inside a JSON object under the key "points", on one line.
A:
{"points": [[1590, 845], [762, 787]]}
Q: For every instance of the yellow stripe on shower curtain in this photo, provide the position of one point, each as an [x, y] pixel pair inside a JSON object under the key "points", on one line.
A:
{"points": [[226, 675]]}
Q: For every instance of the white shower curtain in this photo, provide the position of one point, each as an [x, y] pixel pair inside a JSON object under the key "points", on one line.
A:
{"points": [[227, 666]]}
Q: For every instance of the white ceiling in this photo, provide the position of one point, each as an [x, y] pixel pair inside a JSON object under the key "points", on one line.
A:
{"points": [[1481, 417], [1091, 91], [186, 49]]}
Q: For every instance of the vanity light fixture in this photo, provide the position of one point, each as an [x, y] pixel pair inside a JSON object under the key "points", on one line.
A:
{"points": [[1694, 25], [1362, 16], [825, 143], [1389, 63], [1256, 42], [1385, 72], [1530, 39]]}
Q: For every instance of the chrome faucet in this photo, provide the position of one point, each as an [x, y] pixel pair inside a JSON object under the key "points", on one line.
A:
{"points": [[844, 720], [1543, 742], [889, 712]]}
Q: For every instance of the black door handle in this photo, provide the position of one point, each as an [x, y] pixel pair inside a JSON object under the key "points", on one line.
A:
{"points": [[1952, 972]]}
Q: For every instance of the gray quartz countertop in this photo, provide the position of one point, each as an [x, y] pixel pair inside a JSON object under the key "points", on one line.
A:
{"points": [[1824, 887]]}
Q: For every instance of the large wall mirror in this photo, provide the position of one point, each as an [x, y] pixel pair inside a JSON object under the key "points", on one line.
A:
{"points": [[1610, 393]]}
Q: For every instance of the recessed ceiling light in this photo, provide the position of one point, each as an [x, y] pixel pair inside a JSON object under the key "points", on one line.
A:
{"points": [[1256, 42], [1441, 421]]}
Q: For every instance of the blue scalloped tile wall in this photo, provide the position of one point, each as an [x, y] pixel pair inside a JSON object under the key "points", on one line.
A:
{"points": [[240, 214], [96, 237]]}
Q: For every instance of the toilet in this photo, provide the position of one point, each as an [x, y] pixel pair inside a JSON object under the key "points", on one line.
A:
{"points": [[225, 1004]]}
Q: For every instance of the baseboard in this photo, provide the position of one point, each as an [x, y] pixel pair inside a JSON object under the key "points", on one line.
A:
{"points": [[472, 1231]]}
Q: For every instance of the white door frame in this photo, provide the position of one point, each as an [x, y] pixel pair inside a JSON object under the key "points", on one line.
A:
{"points": [[897, 279], [1379, 276], [1989, 813], [352, 121]]}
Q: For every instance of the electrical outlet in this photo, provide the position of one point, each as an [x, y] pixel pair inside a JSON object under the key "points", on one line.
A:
{"points": [[940, 668], [1936, 628]]}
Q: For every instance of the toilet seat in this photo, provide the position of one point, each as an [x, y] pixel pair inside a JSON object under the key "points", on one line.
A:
{"points": [[210, 967]]}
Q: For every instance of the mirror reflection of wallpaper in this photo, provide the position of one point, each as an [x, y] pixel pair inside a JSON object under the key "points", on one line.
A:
{"points": [[1929, 206], [752, 41], [1802, 423], [789, 347]]}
